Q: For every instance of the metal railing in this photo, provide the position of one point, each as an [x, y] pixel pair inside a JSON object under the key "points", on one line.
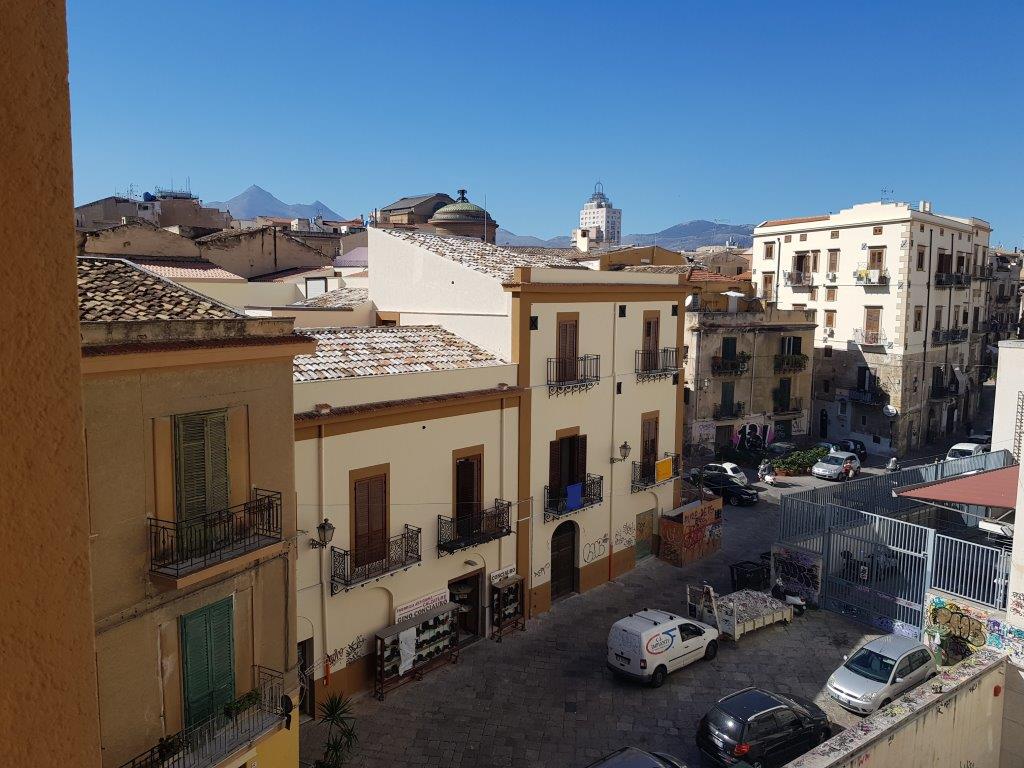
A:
{"points": [[868, 338], [573, 373], [940, 336], [872, 396], [374, 560], [1003, 299], [942, 391], [867, 275], [655, 363], [181, 547], [792, 405], [645, 473], [790, 363], [730, 366], [728, 410], [973, 571], [557, 503], [958, 334], [948, 279], [798, 278], [475, 528], [231, 726]]}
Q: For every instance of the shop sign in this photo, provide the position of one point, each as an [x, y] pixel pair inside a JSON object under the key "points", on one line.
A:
{"points": [[504, 573], [422, 605]]}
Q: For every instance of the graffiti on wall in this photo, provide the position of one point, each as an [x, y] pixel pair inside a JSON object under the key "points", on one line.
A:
{"points": [[692, 534], [800, 571], [1015, 605], [625, 536], [962, 629], [595, 550], [356, 649], [752, 436]]}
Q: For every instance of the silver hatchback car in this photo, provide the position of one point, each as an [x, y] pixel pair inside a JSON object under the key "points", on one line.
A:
{"points": [[879, 672]]}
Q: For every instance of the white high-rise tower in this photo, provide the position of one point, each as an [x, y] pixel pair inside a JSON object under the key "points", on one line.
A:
{"points": [[602, 221]]}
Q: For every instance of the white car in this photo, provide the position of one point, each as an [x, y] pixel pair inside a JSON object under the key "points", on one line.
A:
{"points": [[649, 644], [962, 450], [831, 467], [879, 672], [727, 468]]}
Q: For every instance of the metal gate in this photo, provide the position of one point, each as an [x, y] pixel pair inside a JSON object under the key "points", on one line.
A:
{"points": [[876, 569]]}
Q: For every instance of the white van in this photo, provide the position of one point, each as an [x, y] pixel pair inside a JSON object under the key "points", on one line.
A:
{"points": [[649, 644]]}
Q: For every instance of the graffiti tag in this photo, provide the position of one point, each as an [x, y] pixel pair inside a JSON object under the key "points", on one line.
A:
{"points": [[595, 550], [960, 624]]}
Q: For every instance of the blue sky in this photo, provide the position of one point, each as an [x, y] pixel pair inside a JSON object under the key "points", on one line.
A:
{"points": [[717, 110]]}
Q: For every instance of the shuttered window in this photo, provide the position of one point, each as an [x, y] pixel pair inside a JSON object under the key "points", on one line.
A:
{"points": [[467, 486], [207, 642], [201, 463], [567, 462], [649, 442], [370, 500]]}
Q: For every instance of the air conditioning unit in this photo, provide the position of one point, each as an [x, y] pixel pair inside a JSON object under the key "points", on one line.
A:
{"points": [[832, 277]]}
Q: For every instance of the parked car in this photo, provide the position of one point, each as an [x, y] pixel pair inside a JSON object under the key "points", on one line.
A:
{"points": [[781, 448], [729, 488], [855, 447], [760, 728], [631, 757], [649, 644], [831, 467], [727, 468], [962, 450], [827, 445], [985, 439], [879, 672]]}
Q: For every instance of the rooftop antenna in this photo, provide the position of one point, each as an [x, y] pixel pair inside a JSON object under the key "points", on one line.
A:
{"points": [[886, 195]]}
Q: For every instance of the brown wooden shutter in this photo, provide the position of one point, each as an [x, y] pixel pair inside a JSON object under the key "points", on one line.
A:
{"points": [[648, 441], [581, 458], [651, 333], [361, 515], [467, 486], [378, 513], [555, 465]]}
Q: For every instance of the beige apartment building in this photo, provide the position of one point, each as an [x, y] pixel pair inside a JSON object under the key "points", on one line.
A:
{"points": [[189, 434], [407, 466], [166, 208], [897, 291]]}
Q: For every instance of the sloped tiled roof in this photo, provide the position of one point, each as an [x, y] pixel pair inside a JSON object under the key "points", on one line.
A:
{"points": [[114, 290], [412, 201], [187, 269], [795, 220], [343, 353], [339, 298], [549, 252], [693, 274], [287, 275], [495, 261]]}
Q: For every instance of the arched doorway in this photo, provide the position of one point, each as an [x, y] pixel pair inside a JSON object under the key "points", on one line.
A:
{"points": [[823, 424], [563, 561]]}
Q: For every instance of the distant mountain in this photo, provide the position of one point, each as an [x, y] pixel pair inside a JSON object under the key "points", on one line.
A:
{"points": [[680, 237], [256, 201]]}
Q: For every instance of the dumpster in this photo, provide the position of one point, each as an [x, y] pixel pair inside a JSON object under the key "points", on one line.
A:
{"points": [[748, 574]]}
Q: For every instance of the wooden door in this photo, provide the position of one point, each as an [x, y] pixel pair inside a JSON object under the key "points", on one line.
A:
{"points": [[467, 495], [563, 560], [876, 258], [207, 641], [769, 287], [652, 325], [648, 444], [644, 534], [782, 396], [872, 324], [370, 513], [567, 350]]}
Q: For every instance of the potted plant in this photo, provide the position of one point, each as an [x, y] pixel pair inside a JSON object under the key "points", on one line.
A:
{"points": [[336, 713]]}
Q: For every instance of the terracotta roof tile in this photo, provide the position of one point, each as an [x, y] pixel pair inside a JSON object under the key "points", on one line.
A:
{"points": [[795, 220], [692, 273], [115, 290], [339, 298], [187, 269], [288, 275], [343, 353]]}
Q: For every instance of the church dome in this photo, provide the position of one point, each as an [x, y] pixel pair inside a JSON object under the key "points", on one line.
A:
{"points": [[461, 211]]}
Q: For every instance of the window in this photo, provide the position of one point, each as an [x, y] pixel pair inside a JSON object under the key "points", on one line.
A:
{"points": [[769, 250], [814, 260], [201, 463], [828, 349], [567, 348], [826, 385], [729, 348], [922, 227], [803, 237], [834, 234], [786, 719], [876, 231], [728, 393], [904, 668], [760, 727], [833, 260], [690, 631], [955, 315], [830, 294], [788, 238], [568, 463], [814, 293], [920, 258], [468, 494], [768, 286], [876, 258], [370, 519], [938, 318], [918, 315], [315, 286], [649, 441], [919, 659], [208, 660], [790, 345], [830, 318], [651, 331]]}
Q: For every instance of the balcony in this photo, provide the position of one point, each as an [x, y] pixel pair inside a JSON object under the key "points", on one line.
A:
{"points": [[730, 366], [798, 279], [652, 364], [790, 363], [379, 559], [573, 374], [473, 529], [179, 549], [1003, 298], [866, 338], [866, 275], [559, 502], [985, 273], [727, 411], [952, 279], [940, 336], [958, 334], [792, 405], [646, 473], [871, 396], [943, 391], [231, 726]]}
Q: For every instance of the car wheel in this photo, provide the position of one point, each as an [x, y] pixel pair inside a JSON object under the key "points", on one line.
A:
{"points": [[658, 678], [711, 650], [734, 500], [885, 703]]}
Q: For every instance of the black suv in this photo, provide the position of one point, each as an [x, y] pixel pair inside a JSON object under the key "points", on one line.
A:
{"points": [[631, 757], [855, 447], [729, 488], [761, 729]]}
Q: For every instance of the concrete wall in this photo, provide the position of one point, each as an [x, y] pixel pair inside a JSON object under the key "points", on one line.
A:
{"points": [[140, 240], [47, 648], [259, 252]]}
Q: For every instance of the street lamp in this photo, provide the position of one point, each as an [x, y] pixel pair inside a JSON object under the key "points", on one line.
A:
{"points": [[324, 534], [624, 450]]}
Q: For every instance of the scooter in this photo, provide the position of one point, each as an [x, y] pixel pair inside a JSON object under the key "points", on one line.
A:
{"points": [[893, 465], [783, 595], [766, 473]]}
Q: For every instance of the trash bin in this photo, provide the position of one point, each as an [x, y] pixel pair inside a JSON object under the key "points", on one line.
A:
{"points": [[747, 574]]}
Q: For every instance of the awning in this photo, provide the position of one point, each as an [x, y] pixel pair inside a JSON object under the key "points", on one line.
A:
{"points": [[994, 488]]}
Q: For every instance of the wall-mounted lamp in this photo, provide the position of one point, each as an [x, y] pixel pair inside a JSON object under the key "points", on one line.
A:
{"points": [[324, 534], [624, 450]]}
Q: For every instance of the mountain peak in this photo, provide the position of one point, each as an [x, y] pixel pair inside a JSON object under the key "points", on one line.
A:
{"points": [[685, 236], [256, 201]]}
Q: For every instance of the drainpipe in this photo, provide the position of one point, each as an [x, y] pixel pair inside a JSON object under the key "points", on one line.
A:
{"points": [[925, 380], [612, 450], [322, 552]]}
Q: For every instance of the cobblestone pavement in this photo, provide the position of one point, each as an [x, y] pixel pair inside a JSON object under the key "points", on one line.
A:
{"points": [[544, 697]]}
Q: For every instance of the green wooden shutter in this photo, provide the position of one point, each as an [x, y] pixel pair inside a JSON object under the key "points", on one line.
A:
{"points": [[201, 463], [207, 641], [218, 489], [222, 653]]}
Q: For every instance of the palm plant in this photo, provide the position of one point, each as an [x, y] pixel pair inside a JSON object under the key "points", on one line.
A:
{"points": [[336, 712]]}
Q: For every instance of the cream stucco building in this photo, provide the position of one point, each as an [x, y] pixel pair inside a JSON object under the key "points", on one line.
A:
{"points": [[898, 292]]}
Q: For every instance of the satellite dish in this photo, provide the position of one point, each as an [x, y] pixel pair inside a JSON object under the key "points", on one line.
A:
{"points": [[689, 300], [889, 410]]}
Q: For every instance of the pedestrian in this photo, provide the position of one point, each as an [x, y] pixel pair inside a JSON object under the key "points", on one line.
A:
{"points": [[848, 468]]}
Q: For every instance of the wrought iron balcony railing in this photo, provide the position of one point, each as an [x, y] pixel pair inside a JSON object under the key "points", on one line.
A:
{"points": [[796, 278], [865, 275], [940, 336], [559, 502], [792, 405], [790, 363], [374, 560], [730, 366], [872, 396], [573, 374], [728, 410], [179, 548], [231, 725], [473, 529], [1004, 299], [655, 363], [942, 391], [868, 338], [985, 273], [645, 473], [958, 334], [952, 279]]}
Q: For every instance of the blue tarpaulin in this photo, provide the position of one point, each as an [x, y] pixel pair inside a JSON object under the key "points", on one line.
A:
{"points": [[574, 496]]}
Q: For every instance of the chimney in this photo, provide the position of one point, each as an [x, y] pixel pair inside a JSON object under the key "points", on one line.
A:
{"points": [[925, 206]]}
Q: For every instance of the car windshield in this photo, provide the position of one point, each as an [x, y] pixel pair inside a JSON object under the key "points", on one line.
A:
{"points": [[870, 664], [836, 460], [725, 723], [959, 453]]}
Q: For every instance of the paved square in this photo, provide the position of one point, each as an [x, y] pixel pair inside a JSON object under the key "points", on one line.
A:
{"points": [[544, 697]]}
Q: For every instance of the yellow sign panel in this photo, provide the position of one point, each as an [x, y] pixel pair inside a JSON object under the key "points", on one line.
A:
{"points": [[662, 470]]}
